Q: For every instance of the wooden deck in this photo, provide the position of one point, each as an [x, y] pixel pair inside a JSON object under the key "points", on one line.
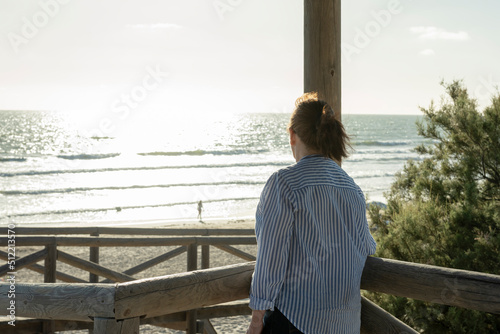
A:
{"points": [[115, 302]]}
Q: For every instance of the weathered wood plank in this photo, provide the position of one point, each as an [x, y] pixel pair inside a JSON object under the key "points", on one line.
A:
{"points": [[192, 257], [214, 241], [133, 231], [153, 262], [177, 232], [94, 257], [191, 323], [101, 241], [182, 292], [237, 252], [48, 327], [454, 287], [24, 261], [60, 301], [128, 242], [192, 264], [375, 320], [93, 267], [41, 269], [50, 264], [30, 326], [112, 326], [208, 328], [30, 241], [210, 312], [205, 256]]}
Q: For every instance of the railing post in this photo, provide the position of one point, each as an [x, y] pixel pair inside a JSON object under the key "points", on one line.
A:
{"points": [[113, 326], [48, 326], [94, 257], [205, 256], [50, 263], [192, 264]]}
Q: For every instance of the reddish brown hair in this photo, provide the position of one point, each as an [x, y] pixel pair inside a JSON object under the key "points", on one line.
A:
{"points": [[314, 121]]}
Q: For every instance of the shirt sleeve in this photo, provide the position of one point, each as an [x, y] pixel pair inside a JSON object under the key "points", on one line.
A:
{"points": [[273, 229], [370, 244], [367, 238]]}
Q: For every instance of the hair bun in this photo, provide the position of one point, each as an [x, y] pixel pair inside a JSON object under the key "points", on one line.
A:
{"points": [[327, 118], [314, 122], [327, 111]]}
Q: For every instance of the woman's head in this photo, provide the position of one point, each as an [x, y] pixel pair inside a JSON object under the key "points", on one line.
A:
{"points": [[314, 122]]}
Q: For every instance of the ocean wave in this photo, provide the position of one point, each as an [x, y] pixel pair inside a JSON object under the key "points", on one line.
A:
{"points": [[383, 159], [120, 208], [88, 156], [371, 175], [202, 152], [101, 137], [387, 150], [382, 143], [13, 159], [142, 168], [87, 189]]}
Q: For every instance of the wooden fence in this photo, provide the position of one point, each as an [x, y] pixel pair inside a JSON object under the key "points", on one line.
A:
{"points": [[189, 300]]}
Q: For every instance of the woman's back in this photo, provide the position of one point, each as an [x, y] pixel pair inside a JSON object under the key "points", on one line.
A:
{"points": [[328, 247]]}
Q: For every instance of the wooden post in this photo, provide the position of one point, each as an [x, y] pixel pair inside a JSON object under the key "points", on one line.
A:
{"points": [[48, 326], [94, 257], [192, 265], [322, 72], [50, 263], [205, 256], [113, 326]]}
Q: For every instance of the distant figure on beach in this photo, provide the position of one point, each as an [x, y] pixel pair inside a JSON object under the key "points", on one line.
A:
{"points": [[200, 208], [312, 234]]}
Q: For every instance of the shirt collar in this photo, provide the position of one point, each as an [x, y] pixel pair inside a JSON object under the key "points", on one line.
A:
{"points": [[311, 156]]}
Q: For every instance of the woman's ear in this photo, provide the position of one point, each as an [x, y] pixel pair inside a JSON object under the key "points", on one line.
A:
{"points": [[293, 137]]}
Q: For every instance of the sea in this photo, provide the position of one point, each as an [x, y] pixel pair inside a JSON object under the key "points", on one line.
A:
{"points": [[73, 169]]}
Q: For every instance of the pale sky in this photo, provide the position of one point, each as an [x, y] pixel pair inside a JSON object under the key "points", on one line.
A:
{"points": [[237, 55]]}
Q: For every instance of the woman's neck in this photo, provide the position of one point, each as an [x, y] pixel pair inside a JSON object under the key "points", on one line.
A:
{"points": [[300, 150]]}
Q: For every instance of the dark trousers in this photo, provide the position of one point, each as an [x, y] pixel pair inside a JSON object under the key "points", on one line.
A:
{"points": [[276, 323]]}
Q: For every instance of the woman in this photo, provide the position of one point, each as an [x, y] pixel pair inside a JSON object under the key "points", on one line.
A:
{"points": [[312, 234]]}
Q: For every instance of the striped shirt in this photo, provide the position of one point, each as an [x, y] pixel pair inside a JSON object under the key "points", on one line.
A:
{"points": [[312, 244]]}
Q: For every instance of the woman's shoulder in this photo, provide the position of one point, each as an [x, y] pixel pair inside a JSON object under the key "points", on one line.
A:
{"points": [[315, 170]]}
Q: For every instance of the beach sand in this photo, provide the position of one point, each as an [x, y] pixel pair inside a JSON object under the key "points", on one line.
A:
{"points": [[120, 258]]}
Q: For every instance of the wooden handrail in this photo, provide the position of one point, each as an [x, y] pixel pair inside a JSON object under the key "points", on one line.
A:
{"points": [[127, 241], [180, 292], [63, 301], [454, 287], [22, 231]]}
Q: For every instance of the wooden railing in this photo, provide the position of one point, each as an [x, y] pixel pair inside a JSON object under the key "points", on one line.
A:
{"points": [[184, 241], [188, 300]]}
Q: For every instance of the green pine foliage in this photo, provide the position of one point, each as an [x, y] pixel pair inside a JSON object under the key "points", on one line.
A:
{"points": [[444, 209]]}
